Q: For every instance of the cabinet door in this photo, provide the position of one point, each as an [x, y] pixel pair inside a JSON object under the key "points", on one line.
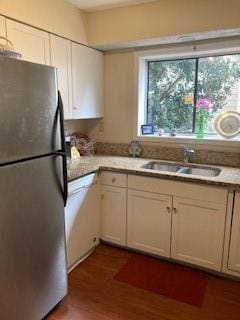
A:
{"points": [[149, 222], [2, 26], [234, 250], [88, 80], [61, 59], [198, 232], [114, 215], [82, 223], [32, 43]]}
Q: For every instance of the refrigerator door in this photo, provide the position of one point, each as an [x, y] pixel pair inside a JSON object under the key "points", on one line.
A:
{"points": [[32, 239], [28, 110]]}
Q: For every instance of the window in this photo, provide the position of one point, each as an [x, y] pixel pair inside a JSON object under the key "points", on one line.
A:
{"points": [[177, 88]]}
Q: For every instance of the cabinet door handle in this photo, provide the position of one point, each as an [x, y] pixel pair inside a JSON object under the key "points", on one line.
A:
{"points": [[113, 180], [175, 210], [168, 209]]}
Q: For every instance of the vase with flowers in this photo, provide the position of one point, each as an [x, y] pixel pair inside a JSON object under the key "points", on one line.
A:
{"points": [[203, 106]]}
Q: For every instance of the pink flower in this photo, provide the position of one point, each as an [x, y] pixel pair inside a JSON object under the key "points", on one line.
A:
{"points": [[204, 104]]}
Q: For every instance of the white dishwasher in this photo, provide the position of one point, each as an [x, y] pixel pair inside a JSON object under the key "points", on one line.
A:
{"points": [[82, 219]]}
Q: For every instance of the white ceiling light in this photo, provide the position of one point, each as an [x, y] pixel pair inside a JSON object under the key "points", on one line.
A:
{"points": [[92, 5]]}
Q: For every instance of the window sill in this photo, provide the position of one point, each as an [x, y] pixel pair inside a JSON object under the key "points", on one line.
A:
{"points": [[191, 139]]}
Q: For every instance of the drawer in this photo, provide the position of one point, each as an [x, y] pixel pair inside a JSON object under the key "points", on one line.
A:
{"points": [[180, 189], [114, 179]]}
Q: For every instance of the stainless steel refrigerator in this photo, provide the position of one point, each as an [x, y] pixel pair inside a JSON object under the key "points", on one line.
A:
{"points": [[33, 189]]}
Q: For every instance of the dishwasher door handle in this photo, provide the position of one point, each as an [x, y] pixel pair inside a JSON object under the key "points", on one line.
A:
{"points": [[77, 190]]}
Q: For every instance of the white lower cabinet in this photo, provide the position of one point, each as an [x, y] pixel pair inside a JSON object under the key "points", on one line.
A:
{"points": [[149, 222], [198, 232], [82, 219], [168, 219], [114, 214], [234, 249], [177, 220]]}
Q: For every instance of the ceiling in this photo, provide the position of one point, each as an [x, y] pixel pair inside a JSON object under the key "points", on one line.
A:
{"points": [[92, 5]]}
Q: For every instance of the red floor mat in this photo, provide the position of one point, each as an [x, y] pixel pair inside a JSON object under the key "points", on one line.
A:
{"points": [[169, 279]]}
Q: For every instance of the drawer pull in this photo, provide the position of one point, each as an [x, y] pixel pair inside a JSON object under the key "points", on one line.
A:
{"points": [[113, 180]]}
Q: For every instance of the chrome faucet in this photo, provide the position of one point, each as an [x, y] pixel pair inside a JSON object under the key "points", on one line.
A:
{"points": [[187, 154]]}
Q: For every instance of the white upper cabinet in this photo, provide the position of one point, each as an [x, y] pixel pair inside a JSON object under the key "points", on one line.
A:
{"points": [[61, 59], [87, 70], [2, 26], [32, 43], [198, 232], [234, 250], [80, 68], [149, 222]]}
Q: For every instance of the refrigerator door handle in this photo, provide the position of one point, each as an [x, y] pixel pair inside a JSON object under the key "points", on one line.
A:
{"points": [[63, 152]]}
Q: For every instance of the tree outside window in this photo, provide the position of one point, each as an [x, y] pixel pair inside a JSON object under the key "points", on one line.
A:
{"points": [[175, 87]]}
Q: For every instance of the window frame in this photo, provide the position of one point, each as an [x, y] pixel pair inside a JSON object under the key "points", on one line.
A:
{"points": [[195, 91], [169, 53]]}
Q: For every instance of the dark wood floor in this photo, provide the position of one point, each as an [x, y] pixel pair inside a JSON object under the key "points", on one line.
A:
{"points": [[95, 295]]}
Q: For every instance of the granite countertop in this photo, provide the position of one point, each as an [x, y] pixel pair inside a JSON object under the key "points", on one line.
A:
{"points": [[229, 176]]}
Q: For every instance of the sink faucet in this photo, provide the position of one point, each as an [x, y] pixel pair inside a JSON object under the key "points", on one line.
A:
{"points": [[187, 154]]}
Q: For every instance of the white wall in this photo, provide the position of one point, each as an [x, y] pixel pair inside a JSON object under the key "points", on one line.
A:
{"points": [[119, 99], [161, 18], [72, 126]]}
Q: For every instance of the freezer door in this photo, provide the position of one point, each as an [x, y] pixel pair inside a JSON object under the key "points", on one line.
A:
{"points": [[28, 110], [32, 239]]}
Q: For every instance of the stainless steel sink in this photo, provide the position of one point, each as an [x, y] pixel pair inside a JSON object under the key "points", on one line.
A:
{"points": [[160, 166], [206, 172], [171, 167]]}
